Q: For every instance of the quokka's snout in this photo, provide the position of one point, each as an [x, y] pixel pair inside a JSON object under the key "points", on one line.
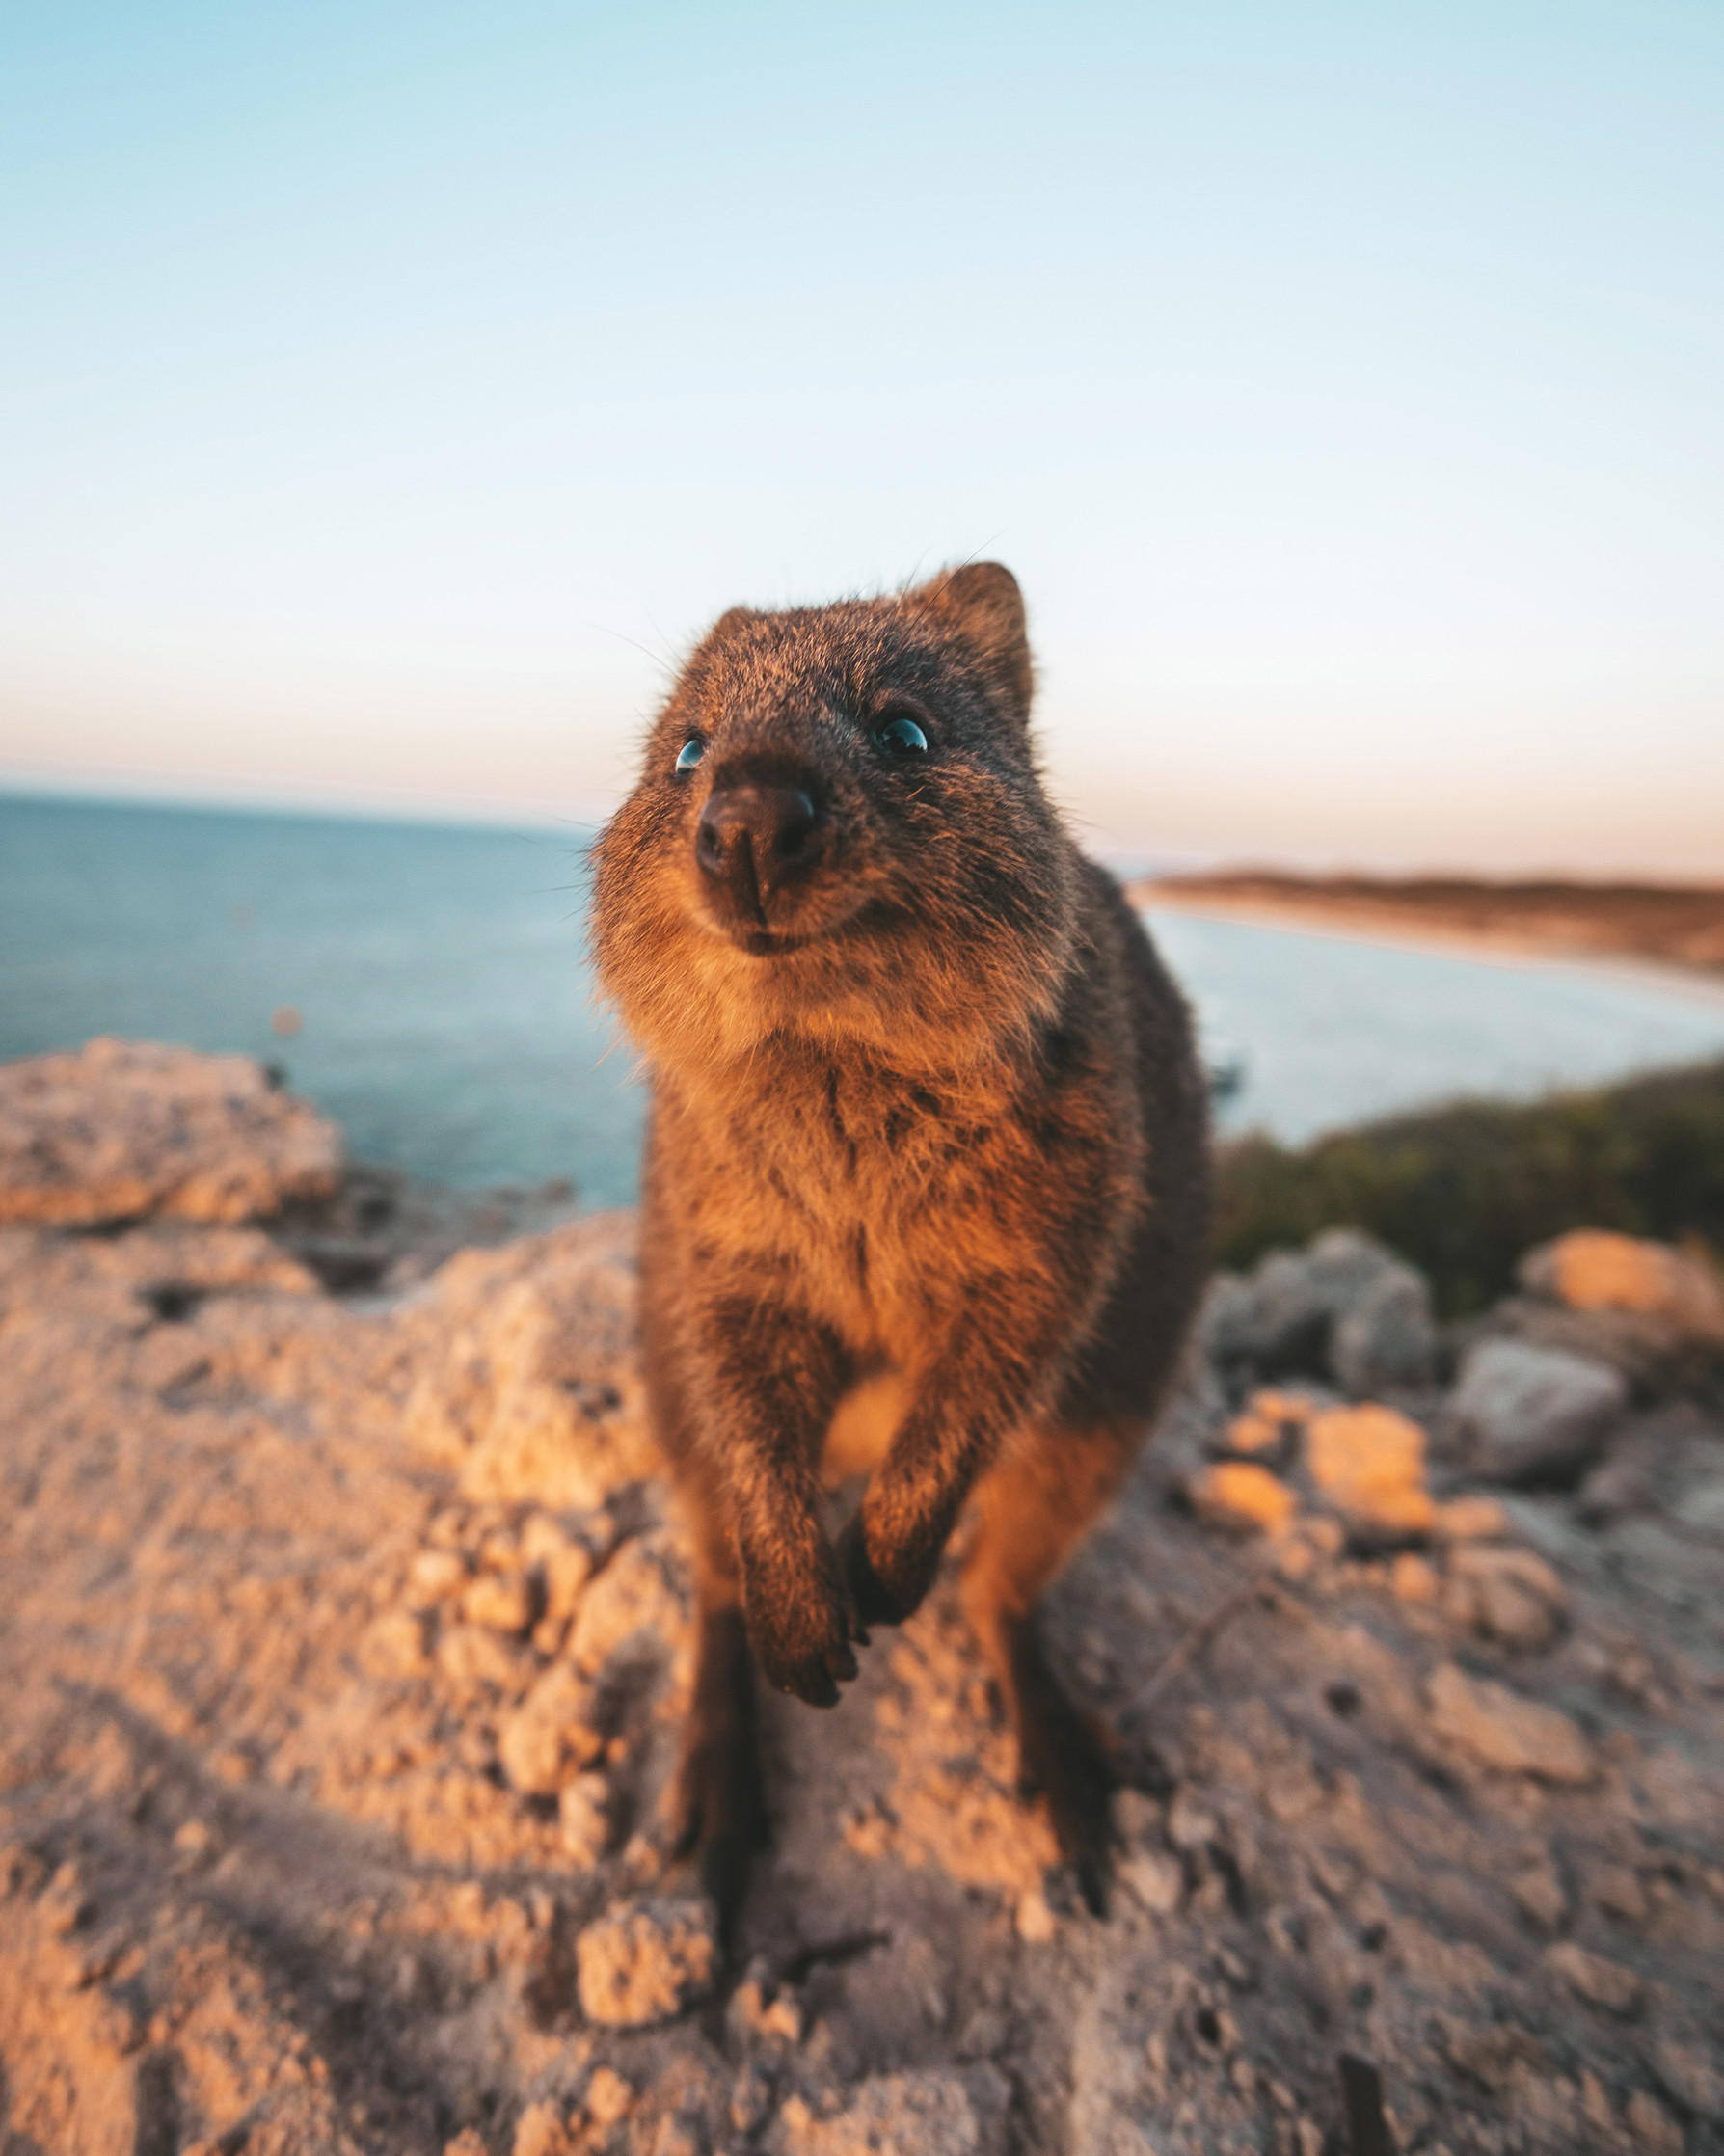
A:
{"points": [[760, 836]]}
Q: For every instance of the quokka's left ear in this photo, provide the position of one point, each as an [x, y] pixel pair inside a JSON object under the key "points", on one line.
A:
{"points": [[983, 604]]}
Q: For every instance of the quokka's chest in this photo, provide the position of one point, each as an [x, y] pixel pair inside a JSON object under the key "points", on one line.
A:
{"points": [[875, 1203]]}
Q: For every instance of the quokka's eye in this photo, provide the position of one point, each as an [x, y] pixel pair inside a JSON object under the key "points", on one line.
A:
{"points": [[691, 753], [900, 732]]}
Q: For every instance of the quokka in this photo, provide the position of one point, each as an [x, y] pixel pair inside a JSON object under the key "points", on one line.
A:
{"points": [[927, 1179]]}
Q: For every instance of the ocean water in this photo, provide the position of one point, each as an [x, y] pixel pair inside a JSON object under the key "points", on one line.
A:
{"points": [[448, 1023]]}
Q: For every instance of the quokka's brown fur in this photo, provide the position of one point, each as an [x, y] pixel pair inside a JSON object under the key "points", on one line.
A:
{"points": [[926, 1179]]}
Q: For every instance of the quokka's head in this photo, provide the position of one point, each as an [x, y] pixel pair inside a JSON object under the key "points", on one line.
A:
{"points": [[839, 834]]}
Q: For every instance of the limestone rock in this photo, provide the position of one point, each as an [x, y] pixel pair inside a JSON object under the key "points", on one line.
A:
{"points": [[1695, 2081], [125, 1130], [640, 1604], [1510, 1595], [288, 1841], [561, 1563], [1653, 1313], [1240, 1493], [1155, 1878], [1369, 1463], [503, 1601], [434, 1576], [1667, 1459], [609, 2099], [1272, 1322], [1600, 1982], [1500, 1728], [1530, 1414], [1652, 2126], [1470, 1519], [1268, 1427], [646, 1961], [1538, 1895], [1593, 1270], [926, 2114], [1345, 1307], [1387, 1339], [550, 1735], [1413, 1579], [583, 1819], [543, 2130], [535, 1397]]}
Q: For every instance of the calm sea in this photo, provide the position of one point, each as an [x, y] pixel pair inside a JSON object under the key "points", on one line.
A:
{"points": [[448, 1019]]}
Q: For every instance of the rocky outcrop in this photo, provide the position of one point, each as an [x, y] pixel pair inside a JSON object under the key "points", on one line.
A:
{"points": [[1653, 1315], [344, 1644], [1590, 1270], [1523, 1414], [1345, 1309], [125, 1130], [533, 1391]]}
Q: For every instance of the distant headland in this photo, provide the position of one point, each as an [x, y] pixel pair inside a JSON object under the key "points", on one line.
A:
{"points": [[1664, 923]]}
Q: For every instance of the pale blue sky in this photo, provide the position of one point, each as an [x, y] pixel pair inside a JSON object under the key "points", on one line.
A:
{"points": [[1345, 384]]}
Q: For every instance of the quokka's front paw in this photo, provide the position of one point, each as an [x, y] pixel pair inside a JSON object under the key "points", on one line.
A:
{"points": [[885, 1586], [800, 1635]]}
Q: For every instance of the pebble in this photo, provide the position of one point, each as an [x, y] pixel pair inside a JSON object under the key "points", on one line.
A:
{"points": [[1369, 1463], [1414, 1578], [550, 1733], [645, 1961], [1472, 1520], [583, 1819], [1618, 1891], [434, 1576], [1034, 1919], [542, 2130], [1155, 1879], [927, 2114], [1695, 2082], [1501, 1729], [1509, 1595], [1652, 2126], [1189, 1825], [1600, 1982], [502, 1602], [1240, 1493], [394, 1645], [563, 1564], [608, 2097], [470, 1655], [679, 2135], [1137, 1817], [1538, 1895]]}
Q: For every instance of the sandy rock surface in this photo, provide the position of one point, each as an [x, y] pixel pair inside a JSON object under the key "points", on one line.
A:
{"points": [[343, 1644], [123, 1129]]}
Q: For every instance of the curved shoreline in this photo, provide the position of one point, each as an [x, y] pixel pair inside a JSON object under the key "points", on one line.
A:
{"points": [[1486, 947]]}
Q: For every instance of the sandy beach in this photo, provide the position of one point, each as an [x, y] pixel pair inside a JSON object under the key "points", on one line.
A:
{"points": [[1505, 941]]}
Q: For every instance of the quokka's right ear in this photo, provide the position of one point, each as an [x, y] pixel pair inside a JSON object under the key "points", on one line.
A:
{"points": [[732, 618], [983, 604]]}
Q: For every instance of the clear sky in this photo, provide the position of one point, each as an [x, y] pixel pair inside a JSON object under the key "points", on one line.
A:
{"points": [[389, 393]]}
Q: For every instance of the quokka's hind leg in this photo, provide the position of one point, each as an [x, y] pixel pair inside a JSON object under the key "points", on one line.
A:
{"points": [[720, 1799], [1034, 1508]]}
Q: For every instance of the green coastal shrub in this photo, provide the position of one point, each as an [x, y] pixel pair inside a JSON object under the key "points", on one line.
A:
{"points": [[1463, 1190]]}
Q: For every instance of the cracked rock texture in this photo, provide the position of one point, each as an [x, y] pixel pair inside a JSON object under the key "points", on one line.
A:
{"points": [[343, 1644], [126, 1129]]}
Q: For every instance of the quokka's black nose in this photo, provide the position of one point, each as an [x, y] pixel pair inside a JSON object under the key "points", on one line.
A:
{"points": [[753, 840]]}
